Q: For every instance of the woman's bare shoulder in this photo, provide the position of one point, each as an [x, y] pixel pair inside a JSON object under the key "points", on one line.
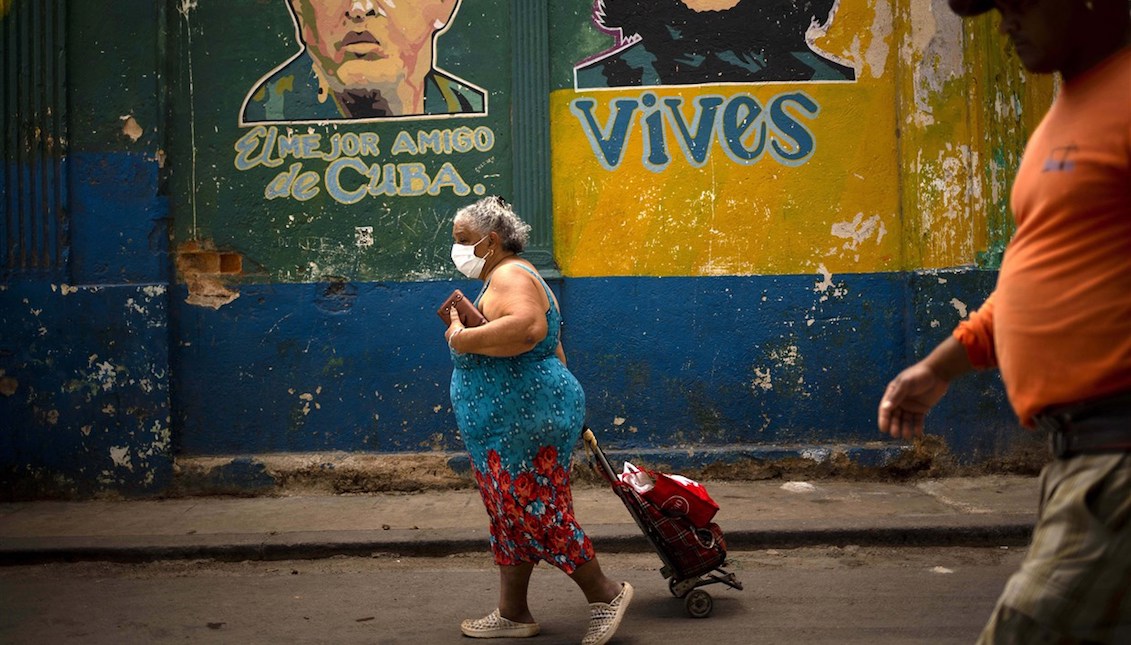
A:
{"points": [[516, 273], [518, 278]]}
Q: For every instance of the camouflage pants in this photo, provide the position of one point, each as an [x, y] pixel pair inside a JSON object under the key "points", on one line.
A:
{"points": [[1075, 583]]}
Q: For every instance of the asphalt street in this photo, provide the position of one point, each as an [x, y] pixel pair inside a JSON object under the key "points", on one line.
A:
{"points": [[876, 595]]}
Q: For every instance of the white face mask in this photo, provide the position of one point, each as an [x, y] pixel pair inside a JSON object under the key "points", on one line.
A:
{"points": [[469, 264]]}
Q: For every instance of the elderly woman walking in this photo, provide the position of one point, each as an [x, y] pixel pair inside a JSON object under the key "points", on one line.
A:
{"points": [[520, 412]]}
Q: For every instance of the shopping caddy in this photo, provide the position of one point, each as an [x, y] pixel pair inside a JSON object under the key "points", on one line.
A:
{"points": [[693, 556]]}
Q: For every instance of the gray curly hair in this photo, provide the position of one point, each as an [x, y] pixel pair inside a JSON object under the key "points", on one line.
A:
{"points": [[494, 215]]}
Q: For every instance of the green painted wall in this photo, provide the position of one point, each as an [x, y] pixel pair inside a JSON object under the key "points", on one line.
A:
{"points": [[301, 201]]}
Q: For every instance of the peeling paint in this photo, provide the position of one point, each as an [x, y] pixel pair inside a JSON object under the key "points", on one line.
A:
{"points": [[880, 44], [859, 230], [131, 128], [787, 356], [307, 399], [855, 210], [132, 305], [120, 455], [826, 281], [947, 194], [959, 306], [934, 47], [762, 380], [819, 455], [209, 292], [207, 271], [826, 287]]}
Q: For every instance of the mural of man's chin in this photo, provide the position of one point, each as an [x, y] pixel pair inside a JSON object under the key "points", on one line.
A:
{"points": [[686, 42]]}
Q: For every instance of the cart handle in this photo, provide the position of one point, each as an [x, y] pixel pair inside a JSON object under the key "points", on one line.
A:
{"points": [[590, 439], [595, 451]]}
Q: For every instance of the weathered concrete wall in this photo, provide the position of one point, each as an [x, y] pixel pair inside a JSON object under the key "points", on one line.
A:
{"points": [[84, 352], [743, 260], [84, 390]]}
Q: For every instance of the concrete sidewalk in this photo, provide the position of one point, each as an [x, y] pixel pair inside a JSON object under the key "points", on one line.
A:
{"points": [[978, 511]]}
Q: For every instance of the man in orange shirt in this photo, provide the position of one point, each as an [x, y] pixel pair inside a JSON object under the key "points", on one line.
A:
{"points": [[1058, 326]]}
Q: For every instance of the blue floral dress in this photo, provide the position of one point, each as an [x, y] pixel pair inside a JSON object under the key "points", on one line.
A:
{"points": [[520, 418]]}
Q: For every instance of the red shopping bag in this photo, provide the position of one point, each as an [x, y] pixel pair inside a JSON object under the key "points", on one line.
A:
{"points": [[674, 495], [679, 496]]}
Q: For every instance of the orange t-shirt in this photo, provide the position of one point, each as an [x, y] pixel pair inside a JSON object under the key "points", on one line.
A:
{"points": [[1058, 324]]}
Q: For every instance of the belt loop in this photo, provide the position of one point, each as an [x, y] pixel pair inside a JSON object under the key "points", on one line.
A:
{"points": [[1058, 444], [1057, 425]]}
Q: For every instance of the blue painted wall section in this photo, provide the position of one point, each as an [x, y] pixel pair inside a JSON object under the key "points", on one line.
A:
{"points": [[314, 367], [85, 405], [691, 363], [706, 362], [85, 408], [119, 224], [674, 365], [974, 418]]}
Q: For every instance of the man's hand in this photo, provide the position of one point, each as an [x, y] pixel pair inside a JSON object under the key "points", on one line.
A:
{"points": [[908, 398], [912, 393]]}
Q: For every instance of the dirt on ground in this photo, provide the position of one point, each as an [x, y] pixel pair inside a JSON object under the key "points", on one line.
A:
{"points": [[353, 473]]}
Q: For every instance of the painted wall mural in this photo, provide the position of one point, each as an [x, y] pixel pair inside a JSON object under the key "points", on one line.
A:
{"points": [[822, 201], [725, 137], [363, 59], [332, 139], [689, 42]]}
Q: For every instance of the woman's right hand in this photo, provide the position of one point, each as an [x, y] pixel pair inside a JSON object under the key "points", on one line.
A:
{"points": [[455, 328]]}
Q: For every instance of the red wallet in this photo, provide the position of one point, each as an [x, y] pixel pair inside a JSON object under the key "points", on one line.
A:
{"points": [[469, 315]]}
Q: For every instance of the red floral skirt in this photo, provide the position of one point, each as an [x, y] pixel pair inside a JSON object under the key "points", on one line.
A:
{"points": [[531, 513]]}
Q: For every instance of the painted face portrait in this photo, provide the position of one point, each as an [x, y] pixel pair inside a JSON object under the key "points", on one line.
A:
{"points": [[365, 59], [371, 44], [691, 42]]}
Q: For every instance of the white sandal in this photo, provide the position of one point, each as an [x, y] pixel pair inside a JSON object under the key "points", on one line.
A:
{"points": [[605, 617], [495, 626]]}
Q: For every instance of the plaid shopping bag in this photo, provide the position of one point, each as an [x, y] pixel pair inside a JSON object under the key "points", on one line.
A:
{"points": [[691, 551]]}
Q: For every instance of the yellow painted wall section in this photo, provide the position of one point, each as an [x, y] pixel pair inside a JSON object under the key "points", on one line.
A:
{"points": [[885, 172], [968, 108]]}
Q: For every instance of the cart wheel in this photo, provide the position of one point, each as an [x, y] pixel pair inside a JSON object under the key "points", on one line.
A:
{"points": [[671, 587], [699, 604]]}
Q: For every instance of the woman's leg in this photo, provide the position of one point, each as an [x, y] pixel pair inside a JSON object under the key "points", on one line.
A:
{"points": [[512, 619], [514, 581], [608, 601], [596, 586]]}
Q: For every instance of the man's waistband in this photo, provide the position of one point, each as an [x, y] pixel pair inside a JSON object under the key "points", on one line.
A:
{"points": [[1098, 426]]}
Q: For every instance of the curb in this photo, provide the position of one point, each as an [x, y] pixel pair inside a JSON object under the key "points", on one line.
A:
{"points": [[947, 531]]}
